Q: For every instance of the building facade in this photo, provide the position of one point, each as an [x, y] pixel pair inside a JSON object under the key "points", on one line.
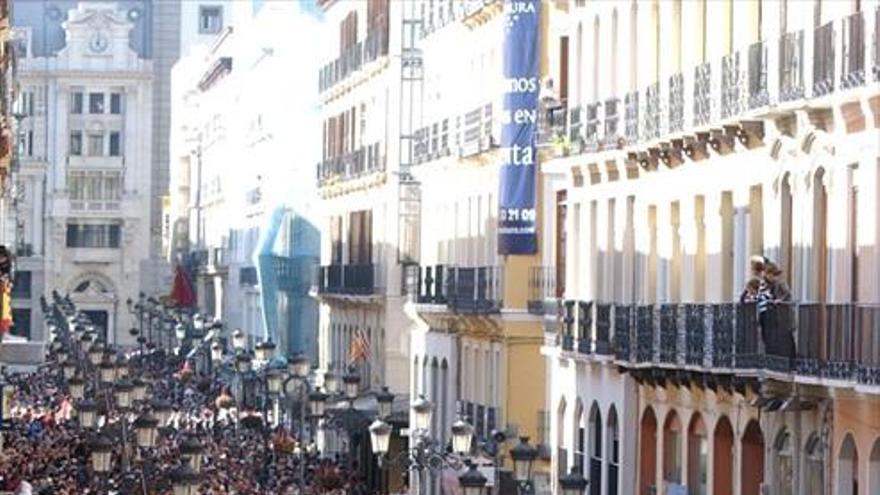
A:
{"points": [[692, 136], [85, 167], [245, 232]]}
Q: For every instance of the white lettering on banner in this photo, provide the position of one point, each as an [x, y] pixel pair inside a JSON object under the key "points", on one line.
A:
{"points": [[520, 8], [518, 155], [521, 85], [517, 214], [519, 116]]}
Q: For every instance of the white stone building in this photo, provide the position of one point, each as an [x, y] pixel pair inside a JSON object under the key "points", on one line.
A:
{"points": [[86, 170]]}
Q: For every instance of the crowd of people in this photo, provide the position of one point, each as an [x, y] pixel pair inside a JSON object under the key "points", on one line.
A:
{"points": [[46, 452]]}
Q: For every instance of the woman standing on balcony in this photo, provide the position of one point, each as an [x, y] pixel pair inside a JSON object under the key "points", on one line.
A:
{"points": [[776, 299]]}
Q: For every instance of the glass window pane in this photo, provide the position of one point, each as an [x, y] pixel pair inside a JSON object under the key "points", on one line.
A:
{"points": [[76, 143], [115, 103], [114, 144], [96, 144], [96, 102]]}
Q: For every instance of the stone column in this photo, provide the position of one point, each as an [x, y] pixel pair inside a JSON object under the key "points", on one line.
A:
{"points": [[741, 242]]}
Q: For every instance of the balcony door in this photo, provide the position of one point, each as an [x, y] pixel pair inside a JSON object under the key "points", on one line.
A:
{"points": [[360, 237]]}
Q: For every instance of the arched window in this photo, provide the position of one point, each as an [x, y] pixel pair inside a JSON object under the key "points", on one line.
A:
{"points": [[784, 471], [580, 440], [612, 451], [847, 467], [595, 446], [647, 451], [561, 451], [815, 462], [698, 457], [672, 448]]}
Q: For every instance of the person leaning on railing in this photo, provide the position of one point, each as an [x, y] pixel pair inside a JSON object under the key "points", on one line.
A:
{"points": [[774, 313]]}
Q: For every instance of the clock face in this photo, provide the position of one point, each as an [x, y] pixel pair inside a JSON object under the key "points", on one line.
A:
{"points": [[98, 42]]}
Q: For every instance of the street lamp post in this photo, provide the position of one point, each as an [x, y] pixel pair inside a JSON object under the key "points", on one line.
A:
{"points": [[573, 483], [524, 456]]}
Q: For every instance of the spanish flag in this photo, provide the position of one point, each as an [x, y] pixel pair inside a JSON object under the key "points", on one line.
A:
{"points": [[6, 303]]}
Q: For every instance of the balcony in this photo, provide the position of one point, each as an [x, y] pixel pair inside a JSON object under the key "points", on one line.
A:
{"points": [[731, 99], [809, 341], [791, 70], [293, 274], [702, 94], [823, 60], [611, 136], [852, 57], [351, 166], [759, 95], [676, 103], [351, 280], [542, 287], [351, 59], [651, 125], [631, 118], [95, 206], [463, 135], [467, 290]]}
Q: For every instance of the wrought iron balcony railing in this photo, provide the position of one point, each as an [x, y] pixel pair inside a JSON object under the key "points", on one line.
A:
{"points": [[631, 118], [474, 289], [353, 58], [591, 127], [347, 279], [823, 59], [576, 129], [676, 103], [612, 123], [651, 128], [702, 94], [731, 86], [461, 289], [817, 340], [542, 286], [350, 166], [852, 57], [759, 95], [791, 68]]}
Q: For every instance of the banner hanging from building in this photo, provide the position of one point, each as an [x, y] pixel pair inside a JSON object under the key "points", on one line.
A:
{"points": [[519, 126]]}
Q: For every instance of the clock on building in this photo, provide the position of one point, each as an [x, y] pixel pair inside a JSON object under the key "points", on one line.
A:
{"points": [[98, 42]]}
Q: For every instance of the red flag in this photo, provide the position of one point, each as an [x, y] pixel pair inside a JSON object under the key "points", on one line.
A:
{"points": [[182, 293]]}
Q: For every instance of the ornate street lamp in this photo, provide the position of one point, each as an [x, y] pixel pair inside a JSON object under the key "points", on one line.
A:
{"points": [[243, 363], [331, 382], [299, 366], [216, 352], [102, 454], [317, 403], [462, 436], [523, 456], [108, 372], [77, 386], [60, 353], [87, 412], [121, 366], [573, 483], [472, 481], [185, 481], [68, 368], [162, 409], [138, 390], [380, 437], [273, 382], [239, 341], [96, 353], [264, 351], [191, 452], [384, 401], [122, 392], [352, 381], [145, 428], [422, 409], [85, 342], [180, 332]]}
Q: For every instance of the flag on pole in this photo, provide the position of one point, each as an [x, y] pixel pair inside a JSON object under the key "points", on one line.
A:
{"points": [[360, 347], [6, 302]]}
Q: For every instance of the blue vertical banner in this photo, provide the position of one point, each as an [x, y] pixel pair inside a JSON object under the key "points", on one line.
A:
{"points": [[519, 127]]}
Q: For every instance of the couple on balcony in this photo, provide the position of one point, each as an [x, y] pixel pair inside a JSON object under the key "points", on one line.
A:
{"points": [[772, 299]]}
